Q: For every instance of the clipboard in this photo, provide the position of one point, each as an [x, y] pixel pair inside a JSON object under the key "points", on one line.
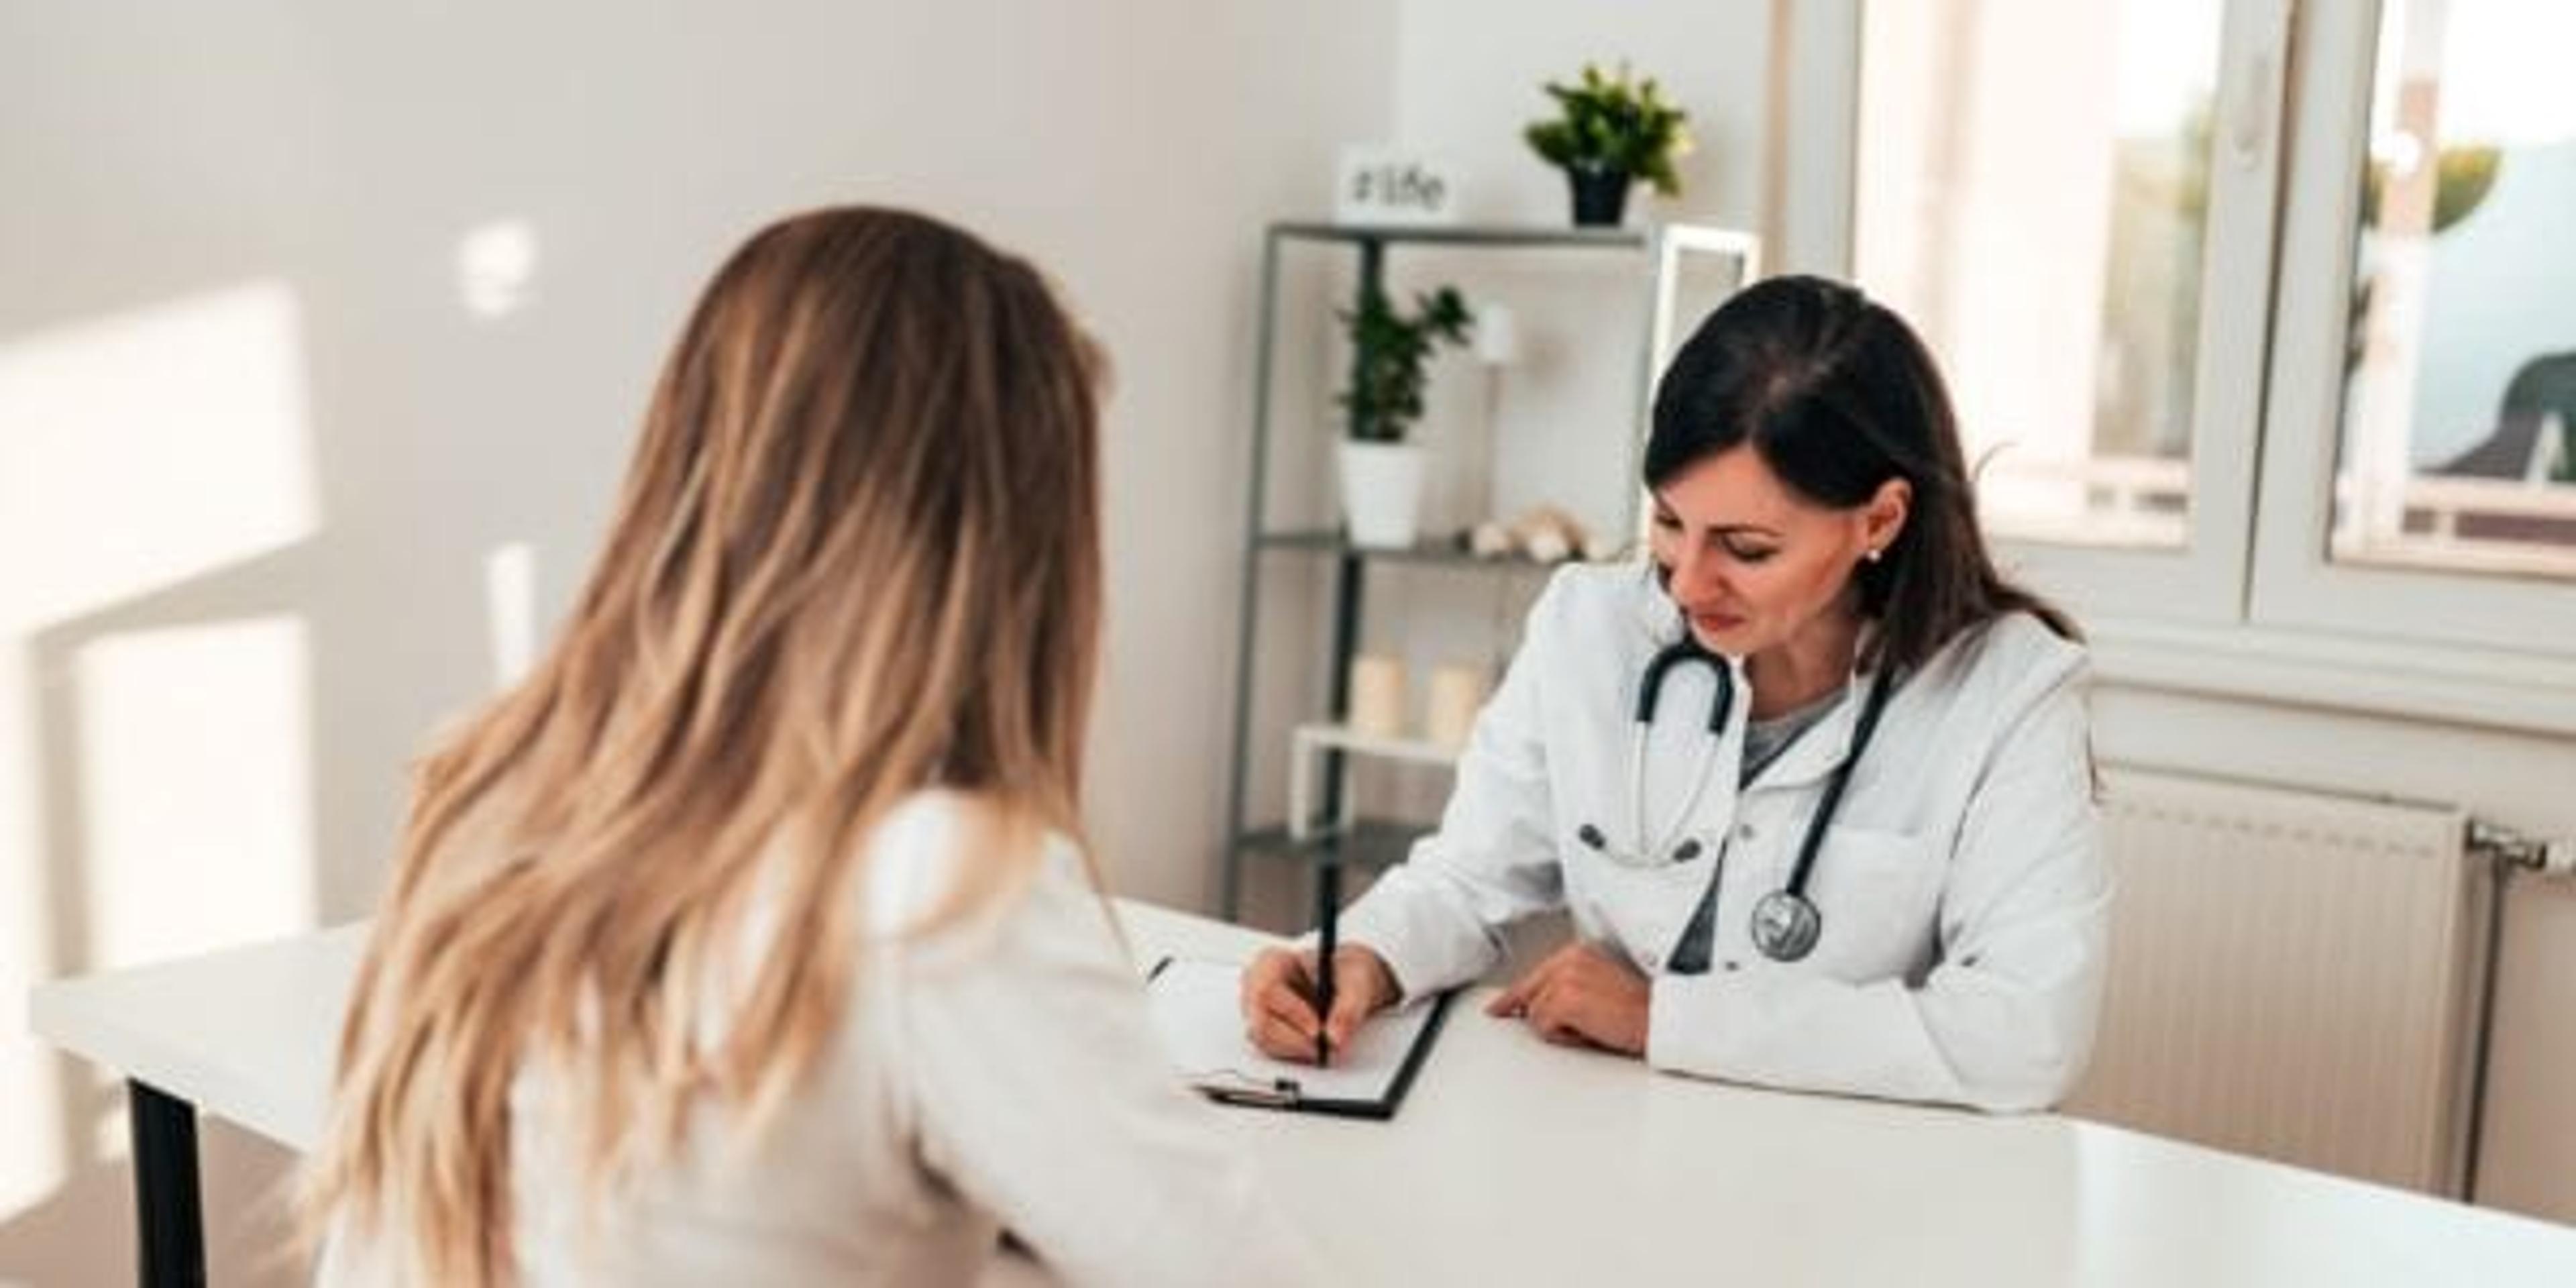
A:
{"points": [[1196, 1015]]}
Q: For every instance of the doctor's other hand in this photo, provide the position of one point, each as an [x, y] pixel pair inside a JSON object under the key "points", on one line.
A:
{"points": [[1279, 999], [1580, 996]]}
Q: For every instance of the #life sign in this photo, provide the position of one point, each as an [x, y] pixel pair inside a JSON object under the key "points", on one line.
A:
{"points": [[1384, 186]]}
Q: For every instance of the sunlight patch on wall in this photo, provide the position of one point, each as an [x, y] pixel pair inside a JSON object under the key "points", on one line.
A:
{"points": [[31, 1161], [143, 448], [196, 788], [138, 450], [496, 268], [510, 602]]}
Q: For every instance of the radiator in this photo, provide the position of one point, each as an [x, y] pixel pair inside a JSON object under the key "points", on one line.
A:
{"points": [[2293, 975]]}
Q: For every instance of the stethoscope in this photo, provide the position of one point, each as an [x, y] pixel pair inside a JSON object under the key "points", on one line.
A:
{"points": [[1786, 923]]}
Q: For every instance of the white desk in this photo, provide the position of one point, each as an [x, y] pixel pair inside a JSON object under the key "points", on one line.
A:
{"points": [[1517, 1162]]}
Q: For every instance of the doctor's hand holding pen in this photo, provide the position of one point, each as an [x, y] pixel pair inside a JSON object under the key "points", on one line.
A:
{"points": [[1280, 989]]}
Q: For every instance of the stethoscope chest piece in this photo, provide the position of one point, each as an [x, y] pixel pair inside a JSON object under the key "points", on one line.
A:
{"points": [[1786, 926]]}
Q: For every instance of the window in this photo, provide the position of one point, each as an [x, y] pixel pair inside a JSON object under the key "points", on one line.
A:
{"points": [[2457, 443], [2404, 318], [2074, 204], [2290, 355]]}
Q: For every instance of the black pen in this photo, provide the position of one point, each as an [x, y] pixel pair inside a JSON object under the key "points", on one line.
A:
{"points": [[1328, 901]]}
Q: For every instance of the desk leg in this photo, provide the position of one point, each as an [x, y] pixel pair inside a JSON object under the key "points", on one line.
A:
{"points": [[169, 1226]]}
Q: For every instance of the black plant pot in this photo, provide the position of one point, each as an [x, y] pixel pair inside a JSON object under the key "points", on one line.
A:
{"points": [[1600, 196]]}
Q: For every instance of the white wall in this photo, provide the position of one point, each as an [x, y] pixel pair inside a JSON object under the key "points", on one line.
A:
{"points": [[255, 452], [1469, 72], [1468, 80]]}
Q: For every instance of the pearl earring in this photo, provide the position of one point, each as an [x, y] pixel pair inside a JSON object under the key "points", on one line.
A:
{"points": [[1870, 554]]}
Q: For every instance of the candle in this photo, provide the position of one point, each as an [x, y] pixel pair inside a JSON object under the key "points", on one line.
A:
{"points": [[1457, 694], [1377, 695]]}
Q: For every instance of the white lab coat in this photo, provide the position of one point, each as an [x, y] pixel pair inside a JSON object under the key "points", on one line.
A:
{"points": [[1961, 882]]}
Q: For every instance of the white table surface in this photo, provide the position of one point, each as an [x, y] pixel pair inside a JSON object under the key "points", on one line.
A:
{"points": [[1513, 1161]]}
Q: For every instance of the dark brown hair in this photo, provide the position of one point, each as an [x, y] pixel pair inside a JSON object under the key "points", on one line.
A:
{"points": [[1838, 396]]}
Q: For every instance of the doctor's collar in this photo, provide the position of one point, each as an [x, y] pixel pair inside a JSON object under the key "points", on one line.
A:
{"points": [[1657, 614]]}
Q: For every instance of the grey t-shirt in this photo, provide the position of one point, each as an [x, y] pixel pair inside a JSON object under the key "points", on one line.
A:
{"points": [[1764, 740]]}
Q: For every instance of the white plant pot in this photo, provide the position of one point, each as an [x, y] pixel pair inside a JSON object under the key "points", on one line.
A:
{"points": [[1381, 492]]}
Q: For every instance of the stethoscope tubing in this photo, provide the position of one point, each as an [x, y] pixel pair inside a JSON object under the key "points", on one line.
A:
{"points": [[1799, 923], [1814, 841]]}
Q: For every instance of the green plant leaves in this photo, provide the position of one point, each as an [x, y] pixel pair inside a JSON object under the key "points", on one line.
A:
{"points": [[1612, 122], [1390, 356], [2463, 174]]}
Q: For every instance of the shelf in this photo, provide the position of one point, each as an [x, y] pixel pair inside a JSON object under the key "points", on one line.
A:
{"points": [[1372, 842], [1469, 235], [1432, 551], [1654, 249], [1417, 751]]}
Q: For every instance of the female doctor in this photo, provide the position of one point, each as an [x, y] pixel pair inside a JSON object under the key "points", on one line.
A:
{"points": [[1813, 782]]}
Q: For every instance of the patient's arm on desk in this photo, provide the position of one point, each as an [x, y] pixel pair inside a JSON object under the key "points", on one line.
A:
{"points": [[1037, 1089]]}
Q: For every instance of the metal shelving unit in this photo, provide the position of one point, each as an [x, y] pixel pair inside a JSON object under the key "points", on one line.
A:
{"points": [[1328, 838], [1372, 842], [1315, 541]]}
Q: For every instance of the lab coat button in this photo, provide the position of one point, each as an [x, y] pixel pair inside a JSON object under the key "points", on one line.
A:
{"points": [[1734, 965], [1744, 831]]}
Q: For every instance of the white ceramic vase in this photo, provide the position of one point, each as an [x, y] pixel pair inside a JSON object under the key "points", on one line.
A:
{"points": [[1381, 492]]}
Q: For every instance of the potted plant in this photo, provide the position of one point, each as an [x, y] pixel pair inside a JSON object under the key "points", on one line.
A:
{"points": [[1390, 353], [1610, 132]]}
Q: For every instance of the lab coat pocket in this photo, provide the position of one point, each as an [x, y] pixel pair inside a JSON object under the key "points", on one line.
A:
{"points": [[1878, 893], [1634, 904]]}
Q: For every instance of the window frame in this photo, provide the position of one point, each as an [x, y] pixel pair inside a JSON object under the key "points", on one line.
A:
{"points": [[2254, 609], [2295, 581], [2204, 579]]}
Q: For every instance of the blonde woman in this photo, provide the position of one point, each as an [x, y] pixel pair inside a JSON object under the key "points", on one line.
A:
{"points": [[747, 941]]}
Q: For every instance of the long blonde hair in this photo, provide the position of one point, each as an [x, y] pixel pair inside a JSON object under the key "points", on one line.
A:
{"points": [[857, 555]]}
